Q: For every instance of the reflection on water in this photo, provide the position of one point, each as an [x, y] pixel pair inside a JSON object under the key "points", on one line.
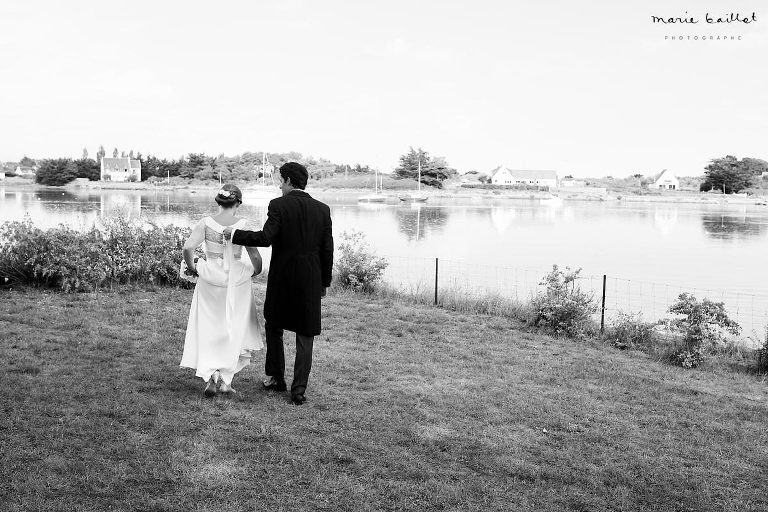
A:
{"points": [[418, 222], [667, 243], [83, 208], [665, 219], [730, 227]]}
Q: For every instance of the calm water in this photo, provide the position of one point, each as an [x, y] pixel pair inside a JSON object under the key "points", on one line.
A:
{"points": [[649, 251]]}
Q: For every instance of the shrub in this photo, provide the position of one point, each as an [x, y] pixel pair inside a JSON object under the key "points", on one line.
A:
{"points": [[121, 251], [629, 331], [563, 307], [143, 253], [705, 326], [762, 354], [356, 266]]}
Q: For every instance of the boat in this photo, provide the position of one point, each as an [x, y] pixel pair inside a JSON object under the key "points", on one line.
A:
{"points": [[377, 196], [418, 197], [551, 199]]}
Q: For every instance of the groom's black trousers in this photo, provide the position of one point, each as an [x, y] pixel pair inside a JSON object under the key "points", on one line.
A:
{"points": [[274, 365]]}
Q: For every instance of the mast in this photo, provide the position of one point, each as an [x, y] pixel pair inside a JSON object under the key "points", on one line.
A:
{"points": [[419, 174]]}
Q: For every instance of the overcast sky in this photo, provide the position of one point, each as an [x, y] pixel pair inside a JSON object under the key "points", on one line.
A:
{"points": [[587, 88]]}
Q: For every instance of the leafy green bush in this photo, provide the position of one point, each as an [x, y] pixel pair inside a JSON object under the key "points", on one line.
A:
{"points": [[705, 326], [356, 266], [121, 251], [629, 331], [563, 307]]}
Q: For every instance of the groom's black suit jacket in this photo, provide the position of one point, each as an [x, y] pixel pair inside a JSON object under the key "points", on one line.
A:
{"points": [[298, 228]]}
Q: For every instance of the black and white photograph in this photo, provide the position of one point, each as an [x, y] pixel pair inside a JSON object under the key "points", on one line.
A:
{"points": [[297, 255]]}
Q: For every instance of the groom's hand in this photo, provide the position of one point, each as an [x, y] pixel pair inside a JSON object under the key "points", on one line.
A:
{"points": [[227, 233]]}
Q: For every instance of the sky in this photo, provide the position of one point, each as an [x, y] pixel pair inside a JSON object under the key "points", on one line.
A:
{"points": [[589, 88]]}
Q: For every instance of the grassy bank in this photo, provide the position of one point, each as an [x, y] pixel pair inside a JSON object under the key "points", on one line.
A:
{"points": [[410, 408]]}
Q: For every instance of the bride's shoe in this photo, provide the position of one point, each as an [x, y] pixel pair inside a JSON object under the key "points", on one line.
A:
{"points": [[225, 388], [210, 388]]}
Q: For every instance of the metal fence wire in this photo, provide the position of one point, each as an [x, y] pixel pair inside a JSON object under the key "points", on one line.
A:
{"points": [[650, 299]]}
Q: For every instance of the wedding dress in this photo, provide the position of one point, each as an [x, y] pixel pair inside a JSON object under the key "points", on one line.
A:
{"points": [[223, 327]]}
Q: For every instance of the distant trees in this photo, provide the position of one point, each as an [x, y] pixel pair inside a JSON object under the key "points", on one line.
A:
{"points": [[88, 168], [352, 169], [153, 166], [244, 167], [27, 162], [433, 170], [730, 175], [56, 171]]}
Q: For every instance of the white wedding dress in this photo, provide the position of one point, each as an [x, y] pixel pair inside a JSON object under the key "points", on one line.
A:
{"points": [[223, 327]]}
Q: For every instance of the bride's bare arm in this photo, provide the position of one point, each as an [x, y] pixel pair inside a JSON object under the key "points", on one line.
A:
{"points": [[255, 256], [195, 239]]}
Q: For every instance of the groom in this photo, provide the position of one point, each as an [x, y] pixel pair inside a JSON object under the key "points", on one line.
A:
{"points": [[299, 230]]}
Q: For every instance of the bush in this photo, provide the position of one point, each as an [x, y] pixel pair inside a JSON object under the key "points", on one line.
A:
{"points": [[563, 308], [762, 354], [356, 266], [120, 252], [629, 331], [705, 327]]}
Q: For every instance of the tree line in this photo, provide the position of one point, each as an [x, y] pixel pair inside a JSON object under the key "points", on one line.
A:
{"points": [[244, 167], [727, 174]]}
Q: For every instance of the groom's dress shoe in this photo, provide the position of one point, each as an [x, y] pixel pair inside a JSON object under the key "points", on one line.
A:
{"points": [[298, 399], [273, 385]]}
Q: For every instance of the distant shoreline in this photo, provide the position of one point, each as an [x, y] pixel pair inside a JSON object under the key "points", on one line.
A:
{"points": [[450, 192]]}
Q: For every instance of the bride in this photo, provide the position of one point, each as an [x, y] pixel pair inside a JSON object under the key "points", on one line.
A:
{"points": [[223, 329]]}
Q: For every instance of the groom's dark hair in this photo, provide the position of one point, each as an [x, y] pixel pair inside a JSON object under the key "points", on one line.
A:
{"points": [[295, 173]]}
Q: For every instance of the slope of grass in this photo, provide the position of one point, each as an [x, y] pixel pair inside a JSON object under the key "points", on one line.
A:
{"points": [[409, 408]]}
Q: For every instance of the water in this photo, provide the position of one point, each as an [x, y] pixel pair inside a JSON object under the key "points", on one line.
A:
{"points": [[649, 251]]}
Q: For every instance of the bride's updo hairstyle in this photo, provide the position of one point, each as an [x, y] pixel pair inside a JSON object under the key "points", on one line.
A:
{"points": [[229, 196]]}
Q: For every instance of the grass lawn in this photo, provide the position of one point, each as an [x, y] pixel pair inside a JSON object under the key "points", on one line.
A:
{"points": [[409, 408]]}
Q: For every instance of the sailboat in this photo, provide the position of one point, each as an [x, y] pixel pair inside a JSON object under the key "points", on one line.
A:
{"points": [[377, 196], [418, 197]]}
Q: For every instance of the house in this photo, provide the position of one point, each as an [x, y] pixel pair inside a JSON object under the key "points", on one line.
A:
{"points": [[120, 169], [572, 182], [764, 175], [505, 176], [25, 171], [665, 181]]}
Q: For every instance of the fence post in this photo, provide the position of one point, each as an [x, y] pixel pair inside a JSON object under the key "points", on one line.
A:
{"points": [[602, 311], [435, 281]]}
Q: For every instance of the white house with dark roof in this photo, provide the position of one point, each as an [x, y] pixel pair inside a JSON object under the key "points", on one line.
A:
{"points": [[120, 169], [505, 176], [665, 181]]}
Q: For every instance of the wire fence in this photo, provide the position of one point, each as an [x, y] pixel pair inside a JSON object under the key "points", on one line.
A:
{"points": [[651, 299]]}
